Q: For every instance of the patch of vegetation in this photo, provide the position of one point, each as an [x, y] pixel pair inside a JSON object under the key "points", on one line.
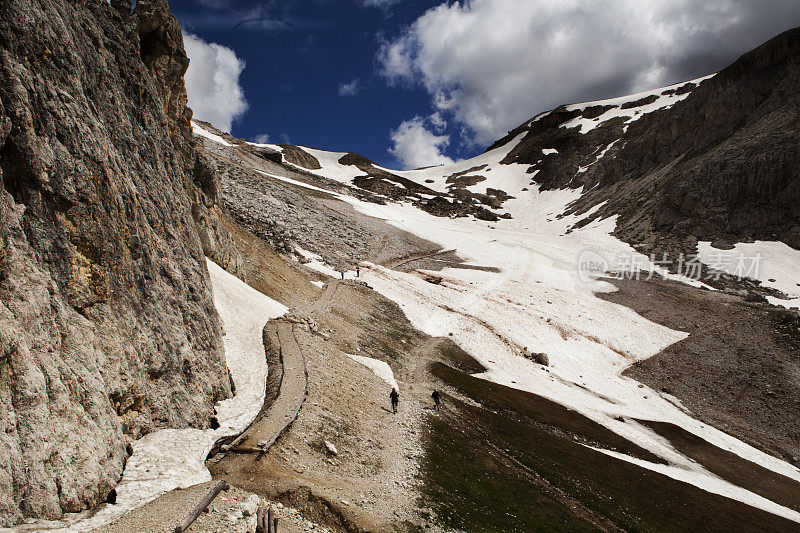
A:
{"points": [[472, 489], [780, 489], [517, 462]]}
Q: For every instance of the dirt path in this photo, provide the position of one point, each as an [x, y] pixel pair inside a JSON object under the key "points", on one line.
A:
{"points": [[294, 384]]}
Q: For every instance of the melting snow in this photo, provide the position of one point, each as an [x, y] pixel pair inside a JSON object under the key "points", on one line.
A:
{"points": [[379, 368], [774, 263], [175, 458], [331, 168], [635, 113], [198, 130]]}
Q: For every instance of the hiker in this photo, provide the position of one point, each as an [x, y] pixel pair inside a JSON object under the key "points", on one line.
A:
{"points": [[436, 397], [358, 272], [395, 396], [342, 273]]}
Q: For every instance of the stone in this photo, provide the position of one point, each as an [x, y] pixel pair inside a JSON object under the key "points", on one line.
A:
{"points": [[250, 505], [108, 329], [331, 448]]}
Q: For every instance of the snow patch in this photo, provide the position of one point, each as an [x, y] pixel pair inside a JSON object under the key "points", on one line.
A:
{"points": [[379, 368], [774, 263], [662, 101], [198, 130]]}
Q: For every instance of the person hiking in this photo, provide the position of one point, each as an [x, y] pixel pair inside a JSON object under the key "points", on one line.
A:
{"points": [[395, 396], [358, 272], [436, 398], [342, 273]]}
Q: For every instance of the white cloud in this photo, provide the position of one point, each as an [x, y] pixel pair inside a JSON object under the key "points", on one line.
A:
{"points": [[416, 146], [383, 4], [212, 82], [350, 89], [492, 64], [262, 138]]}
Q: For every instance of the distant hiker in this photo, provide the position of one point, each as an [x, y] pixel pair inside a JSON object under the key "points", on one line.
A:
{"points": [[358, 272], [436, 398], [342, 273], [395, 396]]}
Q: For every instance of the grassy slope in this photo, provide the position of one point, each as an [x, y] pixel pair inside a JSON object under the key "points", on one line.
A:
{"points": [[482, 463]]}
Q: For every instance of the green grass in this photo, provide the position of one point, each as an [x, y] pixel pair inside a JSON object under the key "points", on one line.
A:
{"points": [[515, 461], [780, 489]]}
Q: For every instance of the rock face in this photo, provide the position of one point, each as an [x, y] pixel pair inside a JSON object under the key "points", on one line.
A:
{"points": [[721, 164], [107, 325]]}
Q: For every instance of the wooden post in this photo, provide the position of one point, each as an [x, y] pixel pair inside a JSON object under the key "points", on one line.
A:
{"points": [[275, 525], [269, 521], [260, 520], [202, 504]]}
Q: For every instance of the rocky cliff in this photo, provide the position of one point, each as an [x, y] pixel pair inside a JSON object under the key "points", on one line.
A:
{"points": [[720, 163], [107, 325]]}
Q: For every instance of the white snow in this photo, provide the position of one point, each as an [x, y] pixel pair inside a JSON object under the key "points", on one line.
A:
{"points": [[599, 157], [635, 113], [539, 302], [296, 182], [331, 168], [548, 151], [774, 263], [379, 368], [707, 481], [275, 147], [504, 177], [175, 458], [316, 263], [319, 284], [244, 312], [198, 130]]}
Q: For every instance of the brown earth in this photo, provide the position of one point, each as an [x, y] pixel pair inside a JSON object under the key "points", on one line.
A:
{"points": [[739, 369]]}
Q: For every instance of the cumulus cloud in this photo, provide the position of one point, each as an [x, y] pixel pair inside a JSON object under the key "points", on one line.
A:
{"points": [[350, 89], [212, 82], [491, 64], [416, 146]]}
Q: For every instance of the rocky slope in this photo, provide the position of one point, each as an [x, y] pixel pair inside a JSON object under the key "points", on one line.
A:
{"points": [[721, 163], [107, 325], [716, 158]]}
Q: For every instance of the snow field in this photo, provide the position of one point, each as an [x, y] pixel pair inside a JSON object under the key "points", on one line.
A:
{"points": [[198, 130], [635, 113], [774, 263]]}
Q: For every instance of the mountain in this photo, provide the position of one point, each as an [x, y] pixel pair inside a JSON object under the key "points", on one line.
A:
{"points": [[687, 381], [716, 158], [107, 326], [112, 198]]}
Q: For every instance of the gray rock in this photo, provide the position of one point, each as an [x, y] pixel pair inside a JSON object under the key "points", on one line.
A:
{"points": [[107, 325]]}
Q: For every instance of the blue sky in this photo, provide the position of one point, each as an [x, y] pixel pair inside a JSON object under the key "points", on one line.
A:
{"points": [[415, 82], [293, 70]]}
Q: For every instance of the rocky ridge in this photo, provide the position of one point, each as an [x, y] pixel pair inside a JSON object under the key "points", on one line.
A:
{"points": [[721, 164], [107, 326]]}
